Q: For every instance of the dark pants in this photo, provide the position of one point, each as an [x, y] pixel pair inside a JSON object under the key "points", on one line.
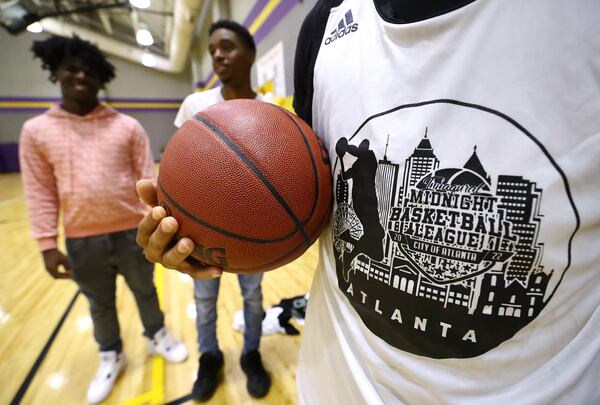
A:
{"points": [[96, 261]]}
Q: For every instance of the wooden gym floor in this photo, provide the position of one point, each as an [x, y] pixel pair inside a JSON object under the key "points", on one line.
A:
{"points": [[48, 354]]}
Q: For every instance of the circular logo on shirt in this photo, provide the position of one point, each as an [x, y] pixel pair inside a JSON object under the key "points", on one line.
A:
{"points": [[445, 213]]}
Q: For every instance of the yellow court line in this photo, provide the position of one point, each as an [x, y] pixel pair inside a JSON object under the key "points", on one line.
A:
{"points": [[156, 395]]}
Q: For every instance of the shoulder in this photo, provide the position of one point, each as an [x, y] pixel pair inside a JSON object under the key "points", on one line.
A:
{"points": [[202, 97], [35, 122], [117, 115], [122, 118], [118, 119], [313, 26], [34, 125], [309, 42]]}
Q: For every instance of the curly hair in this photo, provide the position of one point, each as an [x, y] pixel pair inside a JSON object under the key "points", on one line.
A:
{"points": [[241, 32], [54, 50]]}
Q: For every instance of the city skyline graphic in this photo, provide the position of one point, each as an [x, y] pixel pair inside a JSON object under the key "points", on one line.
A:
{"points": [[457, 263]]}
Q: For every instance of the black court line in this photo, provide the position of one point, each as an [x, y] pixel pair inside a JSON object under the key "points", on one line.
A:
{"points": [[38, 362], [181, 400]]}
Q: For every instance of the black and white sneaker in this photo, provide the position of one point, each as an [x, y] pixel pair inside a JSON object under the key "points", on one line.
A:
{"points": [[111, 365], [166, 346]]}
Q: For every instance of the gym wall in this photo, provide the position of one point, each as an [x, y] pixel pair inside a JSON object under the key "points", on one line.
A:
{"points": [[150, 96]]}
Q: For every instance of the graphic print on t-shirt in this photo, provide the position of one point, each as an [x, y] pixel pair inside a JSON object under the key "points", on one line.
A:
{"points": [[440, 241]]}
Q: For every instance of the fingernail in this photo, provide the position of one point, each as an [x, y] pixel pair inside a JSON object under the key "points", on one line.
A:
{"points": [[216, 275], [184, 246], [167, 226], [157, 213]]}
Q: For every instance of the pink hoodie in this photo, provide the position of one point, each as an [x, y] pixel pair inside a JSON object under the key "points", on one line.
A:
{"points": [[87, 166]]}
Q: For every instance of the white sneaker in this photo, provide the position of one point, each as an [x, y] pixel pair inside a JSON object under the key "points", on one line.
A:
{"points": [[111, 365], [165, 345]]}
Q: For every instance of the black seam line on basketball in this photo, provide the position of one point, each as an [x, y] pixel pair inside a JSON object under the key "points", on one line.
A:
{"points": [[220, 230], [312, 159], [257, 172], [38, 362], [315, 234]]}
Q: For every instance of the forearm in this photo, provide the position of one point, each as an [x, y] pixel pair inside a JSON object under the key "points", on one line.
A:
{"points": [[41, 197]]}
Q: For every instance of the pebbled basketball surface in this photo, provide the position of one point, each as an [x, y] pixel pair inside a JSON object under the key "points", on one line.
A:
{"points": [[249, 183]]}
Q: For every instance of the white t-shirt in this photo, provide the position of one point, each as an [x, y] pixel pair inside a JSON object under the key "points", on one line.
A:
{"points": [[196, 102], [462, 262]]}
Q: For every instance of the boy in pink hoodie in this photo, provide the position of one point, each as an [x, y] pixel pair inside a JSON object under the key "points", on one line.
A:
{"points": [[83, 158]]}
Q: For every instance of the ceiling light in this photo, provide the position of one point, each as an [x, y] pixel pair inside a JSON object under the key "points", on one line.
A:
{"points": [[140, 3], [15, 16], [36, 28], [144, 37], [148, 60]]}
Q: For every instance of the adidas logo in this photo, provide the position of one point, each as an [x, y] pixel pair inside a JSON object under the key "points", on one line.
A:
{"points": [[345, 27]]}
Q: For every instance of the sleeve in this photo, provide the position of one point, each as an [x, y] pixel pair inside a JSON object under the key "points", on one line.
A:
{"points": [[141, 154], [41, 193], [184, 112], [307, 49]]}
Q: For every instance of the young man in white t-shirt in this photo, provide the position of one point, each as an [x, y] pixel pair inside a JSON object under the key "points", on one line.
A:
{"points": [[232, 50], [462, 261], [461, 264]]}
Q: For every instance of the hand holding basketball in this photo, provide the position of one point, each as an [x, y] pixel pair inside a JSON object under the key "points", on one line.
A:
{"points": [[155, 235], [248, 183]]}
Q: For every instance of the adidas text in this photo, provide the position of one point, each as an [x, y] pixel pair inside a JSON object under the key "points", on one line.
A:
{"points": [[341, 33]]}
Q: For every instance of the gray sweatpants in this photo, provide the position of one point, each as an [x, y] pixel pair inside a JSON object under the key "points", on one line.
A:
{"points": [[96, 261]]}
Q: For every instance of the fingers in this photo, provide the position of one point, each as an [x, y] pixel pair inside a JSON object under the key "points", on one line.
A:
{"points": [[65, 262], [148, 225], [53, 271], [155, 235], [173, 258], [200, 272], [176, 258], [63, 274], [146, 191], [57, 274], [66, 273], [53, 260], [161, 238]]}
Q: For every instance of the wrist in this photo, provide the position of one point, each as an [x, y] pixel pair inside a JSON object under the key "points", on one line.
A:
{"points": [[45, 244]]}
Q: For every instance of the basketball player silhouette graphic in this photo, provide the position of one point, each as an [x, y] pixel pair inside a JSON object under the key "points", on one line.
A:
{"points": [[364, 201]]}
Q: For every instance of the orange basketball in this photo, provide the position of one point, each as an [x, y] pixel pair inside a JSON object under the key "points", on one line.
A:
{"points": [[249, 183]]}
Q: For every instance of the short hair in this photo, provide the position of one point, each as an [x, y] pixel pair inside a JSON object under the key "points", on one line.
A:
{"points": [[54, 50], [241, 31]]}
